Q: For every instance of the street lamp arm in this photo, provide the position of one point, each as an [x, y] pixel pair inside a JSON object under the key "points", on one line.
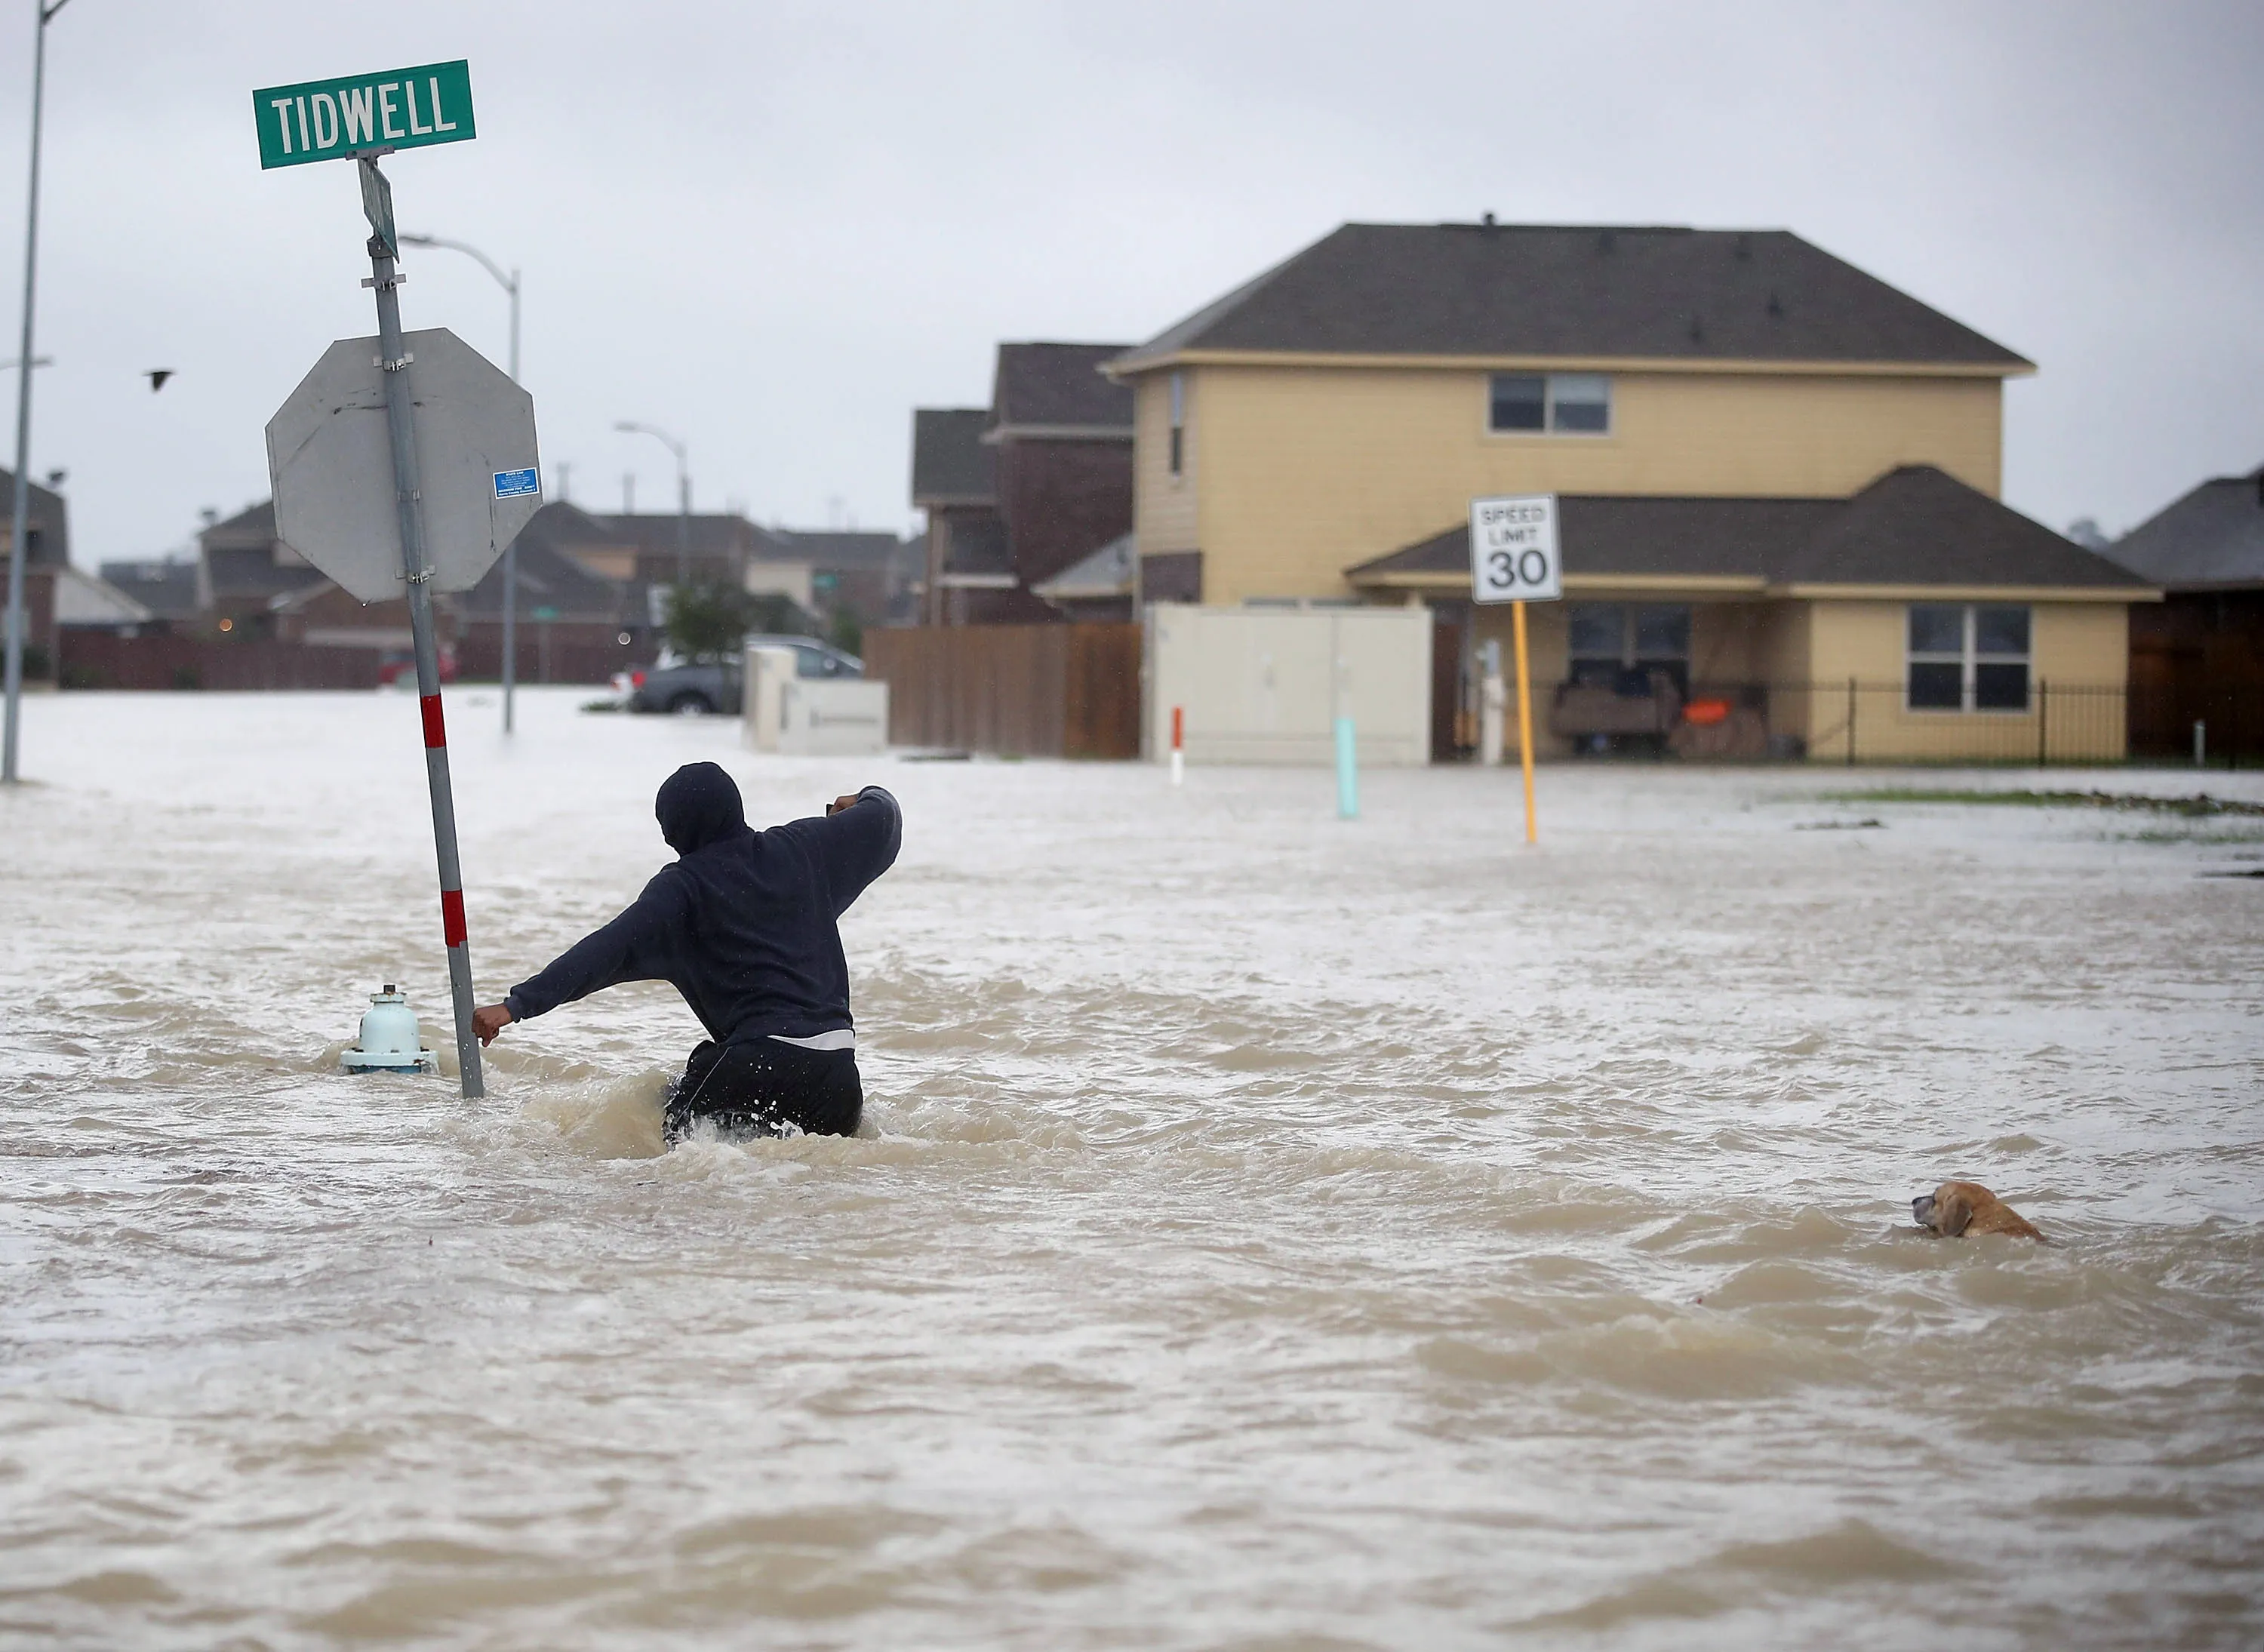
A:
{"points": [[630, 427], [509, 283]]}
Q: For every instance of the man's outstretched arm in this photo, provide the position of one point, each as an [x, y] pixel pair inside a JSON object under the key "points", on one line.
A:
{"points": [[858, 841], [632, 948]]}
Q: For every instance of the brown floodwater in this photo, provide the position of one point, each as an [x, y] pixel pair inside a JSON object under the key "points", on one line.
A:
{"points": [[1269, 1231]]}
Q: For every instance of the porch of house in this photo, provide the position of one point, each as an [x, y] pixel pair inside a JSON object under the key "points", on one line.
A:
{"points": [[1717, 675]]}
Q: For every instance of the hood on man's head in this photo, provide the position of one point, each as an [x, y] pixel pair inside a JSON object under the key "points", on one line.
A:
{"points": [[698, 805]]}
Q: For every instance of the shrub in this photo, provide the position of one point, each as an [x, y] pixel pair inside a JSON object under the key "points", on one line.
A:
{"points": [[707, 622]]}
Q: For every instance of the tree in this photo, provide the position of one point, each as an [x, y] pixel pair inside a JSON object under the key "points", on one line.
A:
{"points": [[708, 622]]}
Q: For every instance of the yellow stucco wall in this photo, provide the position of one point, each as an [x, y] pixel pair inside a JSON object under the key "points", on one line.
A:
{"points": [[1163, 506], [2078, 655], [1807, 651], [1296, 472]]}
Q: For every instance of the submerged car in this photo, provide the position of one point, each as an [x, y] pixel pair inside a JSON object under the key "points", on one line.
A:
{"points": [[700, 688]]}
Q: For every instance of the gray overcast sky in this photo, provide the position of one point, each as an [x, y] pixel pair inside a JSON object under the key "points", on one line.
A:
{"points": [[778, 228]]}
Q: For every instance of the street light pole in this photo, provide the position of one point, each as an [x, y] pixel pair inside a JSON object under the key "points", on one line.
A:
{"points": [[683, 494], [19, 530], [510, 552]]}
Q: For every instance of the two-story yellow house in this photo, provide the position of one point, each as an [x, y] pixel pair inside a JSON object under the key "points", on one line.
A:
{"points": [[1811, 462]]}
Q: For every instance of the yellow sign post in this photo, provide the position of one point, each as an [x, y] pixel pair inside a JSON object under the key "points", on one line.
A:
{"points": [[1514, 560], [1525, 720]]}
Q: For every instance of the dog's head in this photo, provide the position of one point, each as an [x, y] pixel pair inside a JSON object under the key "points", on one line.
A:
{"points": [[1949, 1210]]}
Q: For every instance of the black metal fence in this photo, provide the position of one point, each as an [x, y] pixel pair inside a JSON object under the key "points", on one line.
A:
{"points": [[1857, 720]]}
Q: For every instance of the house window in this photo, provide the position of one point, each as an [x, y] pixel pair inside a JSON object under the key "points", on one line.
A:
{"points": [[1179, 423], [1618, 645], [1565, 403], [1968, 656], [1520, 401]]}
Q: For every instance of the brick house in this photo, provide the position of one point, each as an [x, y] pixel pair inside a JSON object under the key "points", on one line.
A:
{"points": [[1020, 493]]}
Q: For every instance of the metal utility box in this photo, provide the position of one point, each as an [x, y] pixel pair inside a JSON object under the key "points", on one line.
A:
{"points": [[811, 717], [1267, 684]]}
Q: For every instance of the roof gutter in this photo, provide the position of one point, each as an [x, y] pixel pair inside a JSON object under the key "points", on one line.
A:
{"points": [[1456, 582], [1124, 368], [998, 433]]}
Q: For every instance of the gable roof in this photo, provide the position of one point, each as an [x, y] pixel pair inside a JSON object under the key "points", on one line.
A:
{"points": [[1059, 387], [81, 599], [708, 533], [250, 574], [1918, 525], [166, 588], [1915, 525], [549, 576], [2211, 540], [950, 464], [843, 551], [1114, 570], [1544, 291], [254, 526]]}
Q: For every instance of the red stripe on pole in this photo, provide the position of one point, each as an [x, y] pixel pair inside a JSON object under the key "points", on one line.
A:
{"points": [[434, 733], [452, 916], [1178, 727]]}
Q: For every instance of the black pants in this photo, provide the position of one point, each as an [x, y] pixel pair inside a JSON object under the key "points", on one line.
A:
{"points": [[760, 1086]]}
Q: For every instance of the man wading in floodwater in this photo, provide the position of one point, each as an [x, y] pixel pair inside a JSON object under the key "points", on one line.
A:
{"points": [[744, 926]]}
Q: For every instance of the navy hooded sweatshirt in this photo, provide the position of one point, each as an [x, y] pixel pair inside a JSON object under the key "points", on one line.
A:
{"points": [[744, 923]]}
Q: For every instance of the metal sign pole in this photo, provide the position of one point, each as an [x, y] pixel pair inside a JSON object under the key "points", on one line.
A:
{"points": [[19, 516], [417, 572], [511, 556]]}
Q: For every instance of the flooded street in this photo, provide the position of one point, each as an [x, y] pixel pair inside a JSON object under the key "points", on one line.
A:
{"points": [[1269, 1231]]}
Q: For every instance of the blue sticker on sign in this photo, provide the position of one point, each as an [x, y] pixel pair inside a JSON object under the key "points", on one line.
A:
{"points": [[514, 484]]}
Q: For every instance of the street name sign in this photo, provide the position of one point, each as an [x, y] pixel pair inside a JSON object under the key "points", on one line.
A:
{"points": [[328, 458], [362, 114], [1513, 549]]}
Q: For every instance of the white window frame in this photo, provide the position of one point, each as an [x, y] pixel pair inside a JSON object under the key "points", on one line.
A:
{"points": [[1968, 657], [1549, 429]]}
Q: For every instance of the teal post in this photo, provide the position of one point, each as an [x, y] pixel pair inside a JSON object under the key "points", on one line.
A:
{"points": [[1347, 772]]}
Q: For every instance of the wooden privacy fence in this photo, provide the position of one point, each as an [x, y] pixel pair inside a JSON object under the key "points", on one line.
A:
{"points": [[1041, 690]]}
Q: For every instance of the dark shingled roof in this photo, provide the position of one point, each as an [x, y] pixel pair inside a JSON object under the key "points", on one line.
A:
{"points": [[1915, 525], [166, 588], [706, 533], [2212, 539], [253, 525], [1528, 290], [549, 577], [1058, 387], [950, 464], [836, 550]]}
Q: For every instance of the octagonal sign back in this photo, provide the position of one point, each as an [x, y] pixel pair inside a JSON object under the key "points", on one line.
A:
{"points": [[332, 469]]}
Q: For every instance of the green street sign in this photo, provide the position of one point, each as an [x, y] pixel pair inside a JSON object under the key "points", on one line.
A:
{"points": [[396, 109]]}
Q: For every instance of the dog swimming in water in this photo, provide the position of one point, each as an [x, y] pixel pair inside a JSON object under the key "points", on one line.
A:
{"points": [[1958, 1208]]}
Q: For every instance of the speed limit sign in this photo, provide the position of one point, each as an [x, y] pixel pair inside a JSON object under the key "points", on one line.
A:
{"points": [[1513, 549]]}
